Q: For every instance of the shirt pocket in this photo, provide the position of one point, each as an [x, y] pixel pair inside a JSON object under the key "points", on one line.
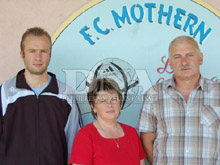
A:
{"points": [[209, 127], [210, 116]]}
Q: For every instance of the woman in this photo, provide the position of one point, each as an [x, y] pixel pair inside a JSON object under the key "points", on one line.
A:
{"points": [[105, 141]]}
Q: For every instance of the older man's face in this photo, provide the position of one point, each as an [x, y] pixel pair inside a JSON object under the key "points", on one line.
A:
{"points": [[185, 60]]}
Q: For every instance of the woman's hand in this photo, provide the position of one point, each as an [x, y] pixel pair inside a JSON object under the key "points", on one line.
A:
{"points": [[142, 162]]}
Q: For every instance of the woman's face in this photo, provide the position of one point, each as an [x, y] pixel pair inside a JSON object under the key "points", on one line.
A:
{"points": [[107, 105]]}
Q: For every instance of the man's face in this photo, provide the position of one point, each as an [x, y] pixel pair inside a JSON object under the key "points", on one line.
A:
{"points": [[185, 60], [36, 54]]}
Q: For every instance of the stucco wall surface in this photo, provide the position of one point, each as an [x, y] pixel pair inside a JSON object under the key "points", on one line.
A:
{"points": [[16, 16]]}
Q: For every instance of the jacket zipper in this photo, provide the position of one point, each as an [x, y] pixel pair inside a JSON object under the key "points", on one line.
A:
{"points": [[37, 132]]}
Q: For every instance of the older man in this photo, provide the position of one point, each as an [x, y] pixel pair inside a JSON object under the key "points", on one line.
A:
{"points": [[38, 121], [179, 121]]}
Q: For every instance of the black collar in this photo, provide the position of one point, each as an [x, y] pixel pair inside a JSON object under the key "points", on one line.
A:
{"points": [[21, 83]]}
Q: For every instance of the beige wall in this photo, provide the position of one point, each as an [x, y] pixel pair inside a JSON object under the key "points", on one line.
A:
{"points": [[17, 16]]}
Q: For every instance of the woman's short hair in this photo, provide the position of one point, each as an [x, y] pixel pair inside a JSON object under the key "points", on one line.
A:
{"points": [[102, 84]]}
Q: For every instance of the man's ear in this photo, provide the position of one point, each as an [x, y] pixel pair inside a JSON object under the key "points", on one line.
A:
{"points": [[170, 64], [21, 54], [201, 58]]}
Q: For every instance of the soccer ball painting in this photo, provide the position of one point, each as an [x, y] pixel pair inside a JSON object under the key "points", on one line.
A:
{"points": [[118, 70]]}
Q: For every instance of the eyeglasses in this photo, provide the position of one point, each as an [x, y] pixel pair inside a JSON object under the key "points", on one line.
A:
{"points": [[107, 100]]}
